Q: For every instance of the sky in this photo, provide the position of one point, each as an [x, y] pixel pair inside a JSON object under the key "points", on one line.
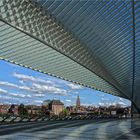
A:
{"points": [[22, 85]]}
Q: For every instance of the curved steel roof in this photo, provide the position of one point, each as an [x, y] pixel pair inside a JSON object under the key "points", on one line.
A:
{"points": [[93, 43]]}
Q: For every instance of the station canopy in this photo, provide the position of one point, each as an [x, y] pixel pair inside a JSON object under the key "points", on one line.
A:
{"points": [[92, 43]]}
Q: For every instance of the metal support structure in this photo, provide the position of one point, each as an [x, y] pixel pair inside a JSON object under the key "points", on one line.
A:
{"points": [[103, 51], [134, 60]]}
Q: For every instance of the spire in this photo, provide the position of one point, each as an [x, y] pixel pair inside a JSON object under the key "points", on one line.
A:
{"points": [[78, 101]]}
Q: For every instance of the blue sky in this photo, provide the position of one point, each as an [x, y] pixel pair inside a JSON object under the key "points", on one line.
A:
{"points": [[22, 85]]}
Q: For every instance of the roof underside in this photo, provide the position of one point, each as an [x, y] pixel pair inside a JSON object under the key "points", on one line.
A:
{"points": [[93, 43]]}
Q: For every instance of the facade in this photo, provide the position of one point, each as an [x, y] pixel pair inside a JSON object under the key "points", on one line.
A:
{"points": [[9, 109], [56, 106], [52, 107], [4, 108], [33, 109]]}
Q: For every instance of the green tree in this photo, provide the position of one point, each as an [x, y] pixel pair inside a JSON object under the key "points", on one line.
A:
{"points": [[21, 110], [65, 112], [25, 111]]}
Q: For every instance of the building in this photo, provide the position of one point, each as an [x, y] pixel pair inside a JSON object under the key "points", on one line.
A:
{"points": [[78, 103], [9, 109], [34, 110], [46, 103], [53, 106], [13, 110], [56, 106], [4, 108]]}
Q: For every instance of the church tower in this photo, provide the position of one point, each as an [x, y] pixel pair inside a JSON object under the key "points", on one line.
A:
{"points": [[78, 102]]}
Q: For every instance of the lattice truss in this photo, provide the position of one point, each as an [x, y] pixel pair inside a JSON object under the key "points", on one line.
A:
{"points": [[87, 42]]}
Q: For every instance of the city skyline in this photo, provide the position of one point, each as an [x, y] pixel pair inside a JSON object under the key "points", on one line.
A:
{"points": [[22, 85]]}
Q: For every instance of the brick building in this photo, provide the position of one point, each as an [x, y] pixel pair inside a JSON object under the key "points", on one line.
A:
{"points": [[56, 106]]}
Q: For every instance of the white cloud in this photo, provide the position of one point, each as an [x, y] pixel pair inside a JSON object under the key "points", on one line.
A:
{"points": [[20, 95], [39, 95], [39, 85], [37, 102], [101, 104], [88, 104], [23, 78], [76, 92], [36, 88], [68, 100], [3, 91], [106, 103], [8, 84], [21, 81], [49, 89], [11, 94], [122, 103], [121, 99], [11, 85], [26, 88], [74, 86]]}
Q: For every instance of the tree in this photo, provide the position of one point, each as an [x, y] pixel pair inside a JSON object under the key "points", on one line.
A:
{"points": [[25, 112], [21, 110], [10, 111], [65, 112]]}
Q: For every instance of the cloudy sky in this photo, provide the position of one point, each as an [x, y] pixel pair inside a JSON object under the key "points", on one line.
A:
{"points": [[22, 85]]}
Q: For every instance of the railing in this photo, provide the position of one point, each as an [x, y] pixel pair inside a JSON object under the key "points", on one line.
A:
{"points": [[16, 119]]}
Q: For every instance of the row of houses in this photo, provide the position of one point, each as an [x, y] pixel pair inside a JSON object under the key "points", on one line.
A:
{"points": [[48, 107], [55, 107]]}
